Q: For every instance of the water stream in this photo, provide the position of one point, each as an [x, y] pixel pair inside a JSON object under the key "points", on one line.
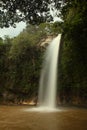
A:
{"points": [[48, 80]]}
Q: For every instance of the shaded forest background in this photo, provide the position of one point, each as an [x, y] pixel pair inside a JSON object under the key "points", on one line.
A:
{"points": [[21, 58]]}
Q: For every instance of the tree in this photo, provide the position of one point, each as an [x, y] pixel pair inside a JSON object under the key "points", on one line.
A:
{"points": [[73, 61], [34, 12]]}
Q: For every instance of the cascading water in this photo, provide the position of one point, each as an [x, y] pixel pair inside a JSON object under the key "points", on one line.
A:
{"points": [[48, 79], [47, 89]]}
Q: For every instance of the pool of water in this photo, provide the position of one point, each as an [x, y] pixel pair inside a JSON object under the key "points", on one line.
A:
{"points": [[19, 118]]}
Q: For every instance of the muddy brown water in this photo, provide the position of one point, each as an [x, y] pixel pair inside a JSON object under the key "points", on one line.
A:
{"points": [[17, 118]]}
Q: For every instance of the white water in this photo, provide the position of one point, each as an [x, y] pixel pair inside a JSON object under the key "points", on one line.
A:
{"points": [[48, 80]]}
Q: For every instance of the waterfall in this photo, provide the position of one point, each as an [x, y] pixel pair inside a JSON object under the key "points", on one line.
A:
{"points": [[48, 79]]}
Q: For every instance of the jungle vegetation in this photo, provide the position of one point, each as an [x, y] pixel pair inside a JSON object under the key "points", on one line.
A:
{"points": [[21, 57]]}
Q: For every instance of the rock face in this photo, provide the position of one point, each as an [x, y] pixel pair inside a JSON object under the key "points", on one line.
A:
{"points": [[46, 41]]}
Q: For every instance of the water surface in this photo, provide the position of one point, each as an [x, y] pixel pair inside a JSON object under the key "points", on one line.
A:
{"points": [[17, 118]]}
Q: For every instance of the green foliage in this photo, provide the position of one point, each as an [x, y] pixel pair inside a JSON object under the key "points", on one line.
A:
{"points": [[20, 64], [24, 70], [33, 12], [1, 41], [4, 48], [73, 61]]}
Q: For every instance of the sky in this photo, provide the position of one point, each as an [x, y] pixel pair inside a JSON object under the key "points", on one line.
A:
{"points": [[12, 32]]}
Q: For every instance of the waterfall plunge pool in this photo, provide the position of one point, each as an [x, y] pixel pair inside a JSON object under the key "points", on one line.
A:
{"points": [[17, 118]]}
